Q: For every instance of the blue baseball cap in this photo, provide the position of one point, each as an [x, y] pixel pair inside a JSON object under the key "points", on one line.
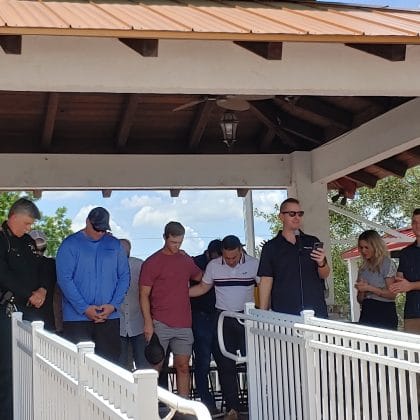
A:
{"points": [[99, 218]]}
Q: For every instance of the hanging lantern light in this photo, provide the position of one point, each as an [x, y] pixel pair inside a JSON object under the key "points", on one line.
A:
{"points": [[229, 124]]}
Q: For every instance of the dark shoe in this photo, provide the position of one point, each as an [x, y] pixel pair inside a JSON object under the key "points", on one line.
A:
{"points": [[232, 415]]}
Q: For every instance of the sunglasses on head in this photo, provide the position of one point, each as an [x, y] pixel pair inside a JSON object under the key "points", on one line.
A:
{"points": [[98, 230], [294, 213]]}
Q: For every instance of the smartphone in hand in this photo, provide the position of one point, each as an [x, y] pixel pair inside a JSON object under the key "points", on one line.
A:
{"points": [[317, 245]]}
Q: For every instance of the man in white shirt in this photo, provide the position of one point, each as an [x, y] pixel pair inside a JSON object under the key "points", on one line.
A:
{"points": [[234, 276]]}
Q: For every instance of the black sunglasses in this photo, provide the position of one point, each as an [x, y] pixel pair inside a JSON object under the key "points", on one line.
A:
{"points": [[294, 213], [98, 230]]}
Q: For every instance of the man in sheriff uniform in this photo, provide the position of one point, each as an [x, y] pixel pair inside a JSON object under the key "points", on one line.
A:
{"points": [[20, 284]]}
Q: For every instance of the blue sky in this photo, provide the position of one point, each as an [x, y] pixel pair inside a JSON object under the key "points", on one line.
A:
{"points": [[404, 4], [141, 215]]}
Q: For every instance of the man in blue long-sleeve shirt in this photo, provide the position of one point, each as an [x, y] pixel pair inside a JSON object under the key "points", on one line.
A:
{"points": [[93, 274]]}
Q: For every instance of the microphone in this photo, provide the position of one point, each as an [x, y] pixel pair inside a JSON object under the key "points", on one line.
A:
{"points": [[299, 244], [297, 238]]}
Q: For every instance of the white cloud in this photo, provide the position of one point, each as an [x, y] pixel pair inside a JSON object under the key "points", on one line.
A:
{"points": [[138, 201], [63, 195], [266, 200], [193, 244], [191, 208]]}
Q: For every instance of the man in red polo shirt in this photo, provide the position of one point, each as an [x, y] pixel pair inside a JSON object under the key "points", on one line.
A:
{"points": [[164, 301]]}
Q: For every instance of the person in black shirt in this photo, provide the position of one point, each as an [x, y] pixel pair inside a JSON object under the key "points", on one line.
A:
{"points": [[204, 318], [293, 267], [407, 278], [20, 276]]}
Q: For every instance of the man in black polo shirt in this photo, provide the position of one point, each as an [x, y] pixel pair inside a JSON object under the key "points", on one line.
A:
{"points": [[408, 278], [21, 277], [292, 268]]}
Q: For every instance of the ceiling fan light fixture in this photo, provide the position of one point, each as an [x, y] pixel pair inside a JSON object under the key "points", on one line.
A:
{"points": [[229, 125]]}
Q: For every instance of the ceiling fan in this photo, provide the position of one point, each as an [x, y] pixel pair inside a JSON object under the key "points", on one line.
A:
{"points": [[229, 102]]}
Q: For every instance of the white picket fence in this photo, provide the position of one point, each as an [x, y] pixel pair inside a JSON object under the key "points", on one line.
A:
{"points": [[55, 379], [307, 368]]}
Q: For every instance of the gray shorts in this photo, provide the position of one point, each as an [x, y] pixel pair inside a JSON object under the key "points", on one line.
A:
{"points": [[179, 339]]}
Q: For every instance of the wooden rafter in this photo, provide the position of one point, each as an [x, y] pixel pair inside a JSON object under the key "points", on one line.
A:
{"points": [[106, 193], [49, 120], [11, 44], [127, 119], [336, 116], [242, 192], [37, 193], [390, 52], [267, 140], [393, 166], [268, 118], [145, 47], [174, 192], [267, 50], [199, 124], [364, 178]]}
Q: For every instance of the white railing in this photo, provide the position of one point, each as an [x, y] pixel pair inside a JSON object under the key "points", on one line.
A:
{"points": [[302, 367], [55, 379]]}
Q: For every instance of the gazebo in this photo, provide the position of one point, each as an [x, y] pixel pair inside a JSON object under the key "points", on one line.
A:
{"points": [[130, 95]]}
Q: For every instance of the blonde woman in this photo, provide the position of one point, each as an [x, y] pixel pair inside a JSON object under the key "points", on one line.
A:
{"points": [[375, 275]]}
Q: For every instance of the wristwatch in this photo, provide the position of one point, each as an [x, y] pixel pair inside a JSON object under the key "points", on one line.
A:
{"points": [[323, 264]]}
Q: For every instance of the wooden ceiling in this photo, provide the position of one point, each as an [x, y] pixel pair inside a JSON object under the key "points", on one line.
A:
{"points": [[105, 123]]}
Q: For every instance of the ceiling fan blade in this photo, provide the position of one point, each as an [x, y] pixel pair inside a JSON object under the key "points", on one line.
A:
{"points": [[251, 97], [233, 104], [188, 105]]}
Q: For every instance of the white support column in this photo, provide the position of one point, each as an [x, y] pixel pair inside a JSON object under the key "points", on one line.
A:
{"points": [[354, 305], [249, 224], [313, 198]]}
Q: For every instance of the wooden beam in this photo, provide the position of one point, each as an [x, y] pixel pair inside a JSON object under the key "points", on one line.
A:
{"points": [[201, 120], [11, 44], [127, 120], [393, 166], [266, 115], [267, 140], [37, 193], [49, 120], [390, 52], [415, 152], [372, 142], [364, 178], [145, 47], [106, 193], [174, 192], [267, 50], [338, 117], [242, 192]]}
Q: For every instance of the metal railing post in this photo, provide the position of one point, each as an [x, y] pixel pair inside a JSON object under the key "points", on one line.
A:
{"points": [[308, 373], [16, 317], [82, 349], [146, 394], [251, 365]]}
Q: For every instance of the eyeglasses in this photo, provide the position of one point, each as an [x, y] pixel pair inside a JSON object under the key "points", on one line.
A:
{"points": [[294, 213]]}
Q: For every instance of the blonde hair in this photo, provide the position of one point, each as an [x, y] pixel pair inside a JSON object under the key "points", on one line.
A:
{"points": [[380, 250]]}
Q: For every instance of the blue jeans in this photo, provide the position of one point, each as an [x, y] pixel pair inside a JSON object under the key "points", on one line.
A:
{"points": [[137, 343], [204, 327]]}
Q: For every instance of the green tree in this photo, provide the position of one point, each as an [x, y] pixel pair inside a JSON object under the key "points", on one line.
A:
{"points": [[390, 203], [55, 227]]}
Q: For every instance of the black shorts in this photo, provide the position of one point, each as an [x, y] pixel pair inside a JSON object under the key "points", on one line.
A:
{"points": [[379, 314]]}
